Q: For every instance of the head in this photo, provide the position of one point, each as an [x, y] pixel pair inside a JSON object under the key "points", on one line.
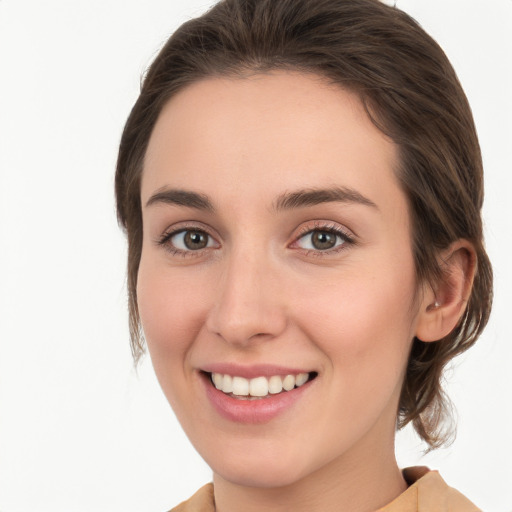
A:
{"points": [[408, 90]]}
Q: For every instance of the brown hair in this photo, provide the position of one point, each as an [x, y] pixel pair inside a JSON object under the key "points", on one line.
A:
{"points": [[411, 93]]}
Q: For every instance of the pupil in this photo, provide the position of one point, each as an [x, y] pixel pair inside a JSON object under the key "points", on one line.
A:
{"points": [[323, 240], [195, 240]]}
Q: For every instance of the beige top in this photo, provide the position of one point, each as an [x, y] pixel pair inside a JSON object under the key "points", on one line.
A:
{"points": [[427, 492]]}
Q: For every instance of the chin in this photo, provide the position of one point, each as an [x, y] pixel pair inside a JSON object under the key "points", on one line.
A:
{"points": [[263, 466], [264, 474]]}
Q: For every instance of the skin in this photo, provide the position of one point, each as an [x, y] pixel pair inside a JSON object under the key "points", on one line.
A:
{"points": [[261, 293]]}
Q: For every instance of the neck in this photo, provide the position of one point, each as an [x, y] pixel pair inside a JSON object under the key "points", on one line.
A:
{"points": [[344, 484]]}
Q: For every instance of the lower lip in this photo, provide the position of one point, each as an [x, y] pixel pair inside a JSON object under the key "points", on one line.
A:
{"points": [[261, 410]]}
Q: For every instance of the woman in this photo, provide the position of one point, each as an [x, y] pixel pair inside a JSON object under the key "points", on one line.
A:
{"points": [[301, 184]]}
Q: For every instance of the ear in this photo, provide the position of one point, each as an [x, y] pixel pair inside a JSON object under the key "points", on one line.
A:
{"points": [[442, 306]]}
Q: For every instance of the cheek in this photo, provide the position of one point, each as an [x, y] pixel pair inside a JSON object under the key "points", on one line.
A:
{"points": [[171, 308], [365, 331], [366, 324]]}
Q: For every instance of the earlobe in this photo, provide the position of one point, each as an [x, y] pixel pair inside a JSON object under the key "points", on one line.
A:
{"points": [[443, 306]]}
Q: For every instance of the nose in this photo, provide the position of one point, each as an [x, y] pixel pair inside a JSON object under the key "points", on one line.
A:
{"points": [[248, 306]]}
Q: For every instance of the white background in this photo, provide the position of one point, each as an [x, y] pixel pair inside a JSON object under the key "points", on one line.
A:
{"points": [[79, 430]]}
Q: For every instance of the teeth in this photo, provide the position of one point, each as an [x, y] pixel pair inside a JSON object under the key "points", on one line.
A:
{"points": [[289, 382], [275, 384], [217, 380], [259, 386], [227, 383], [302, 378], [240, 386]]}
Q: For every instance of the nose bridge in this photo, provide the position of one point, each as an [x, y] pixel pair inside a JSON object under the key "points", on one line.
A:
{"points": [[247, 303]]}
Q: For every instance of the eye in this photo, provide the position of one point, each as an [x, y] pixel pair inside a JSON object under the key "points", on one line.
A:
{"points": [[187, 240], [322, 240]]}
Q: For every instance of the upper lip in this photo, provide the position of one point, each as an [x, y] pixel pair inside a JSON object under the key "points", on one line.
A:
{"points": [[252, 371]]}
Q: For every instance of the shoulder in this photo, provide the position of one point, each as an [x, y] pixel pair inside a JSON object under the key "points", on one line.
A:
{"points": [[428, 492], [435, 494], [201, 501]]}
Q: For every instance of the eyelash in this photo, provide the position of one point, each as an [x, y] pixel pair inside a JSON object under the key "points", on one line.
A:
{"points": [[334, 229], [166, 237]]}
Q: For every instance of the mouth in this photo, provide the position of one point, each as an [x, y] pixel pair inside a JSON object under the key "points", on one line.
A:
{"points": [[258, 388]]}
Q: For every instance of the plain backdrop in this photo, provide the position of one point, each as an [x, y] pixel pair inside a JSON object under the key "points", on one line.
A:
{"points": [[80, 430]]}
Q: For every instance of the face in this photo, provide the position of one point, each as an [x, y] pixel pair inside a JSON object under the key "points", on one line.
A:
{"points": [[276, 252]]}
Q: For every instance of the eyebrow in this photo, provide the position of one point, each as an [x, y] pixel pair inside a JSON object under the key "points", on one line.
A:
{"points": [[312, 197], [287, 201], [181, 198]]}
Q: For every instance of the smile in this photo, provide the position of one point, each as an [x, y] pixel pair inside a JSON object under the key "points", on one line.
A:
{"points": [[255, 394], [259, 387]]}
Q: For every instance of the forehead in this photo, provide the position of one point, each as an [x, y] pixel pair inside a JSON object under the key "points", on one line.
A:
{"points": [[267, 132]]}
